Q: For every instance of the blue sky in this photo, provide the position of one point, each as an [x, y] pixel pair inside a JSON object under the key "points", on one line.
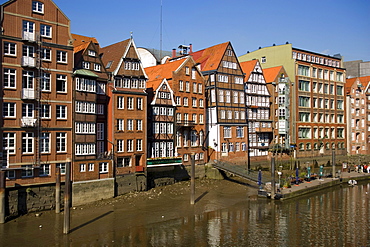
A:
{"points": [[325, 26]]}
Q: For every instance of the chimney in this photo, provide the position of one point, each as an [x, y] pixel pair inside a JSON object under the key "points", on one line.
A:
{"points": [[173, 53], [191, 48]]}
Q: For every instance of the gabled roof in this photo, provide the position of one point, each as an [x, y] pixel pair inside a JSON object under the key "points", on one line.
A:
{"points": [[157, 73], [364, 80], [80, 39], [210, 58], [272, 73], [113, 53], [248, 67]]}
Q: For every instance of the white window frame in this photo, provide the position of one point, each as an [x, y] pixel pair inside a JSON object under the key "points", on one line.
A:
{"points": [[61, 142], [103, 167], [61, 111], [61, 56], [10, 78], [45, 31], [38, 7], [10, 49], [28, 141], [45, 142], [10, 109]]}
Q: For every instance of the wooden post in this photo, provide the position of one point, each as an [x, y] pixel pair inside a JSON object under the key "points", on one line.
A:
{"points": [[2, 196], [333, 161], [192, 179], [67, 203], [273, 177], [57, 191]]}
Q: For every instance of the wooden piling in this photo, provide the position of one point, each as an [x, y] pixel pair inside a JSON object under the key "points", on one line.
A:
{"points": [[2, 196], [57, 191], [67, 203], [192, 179]]}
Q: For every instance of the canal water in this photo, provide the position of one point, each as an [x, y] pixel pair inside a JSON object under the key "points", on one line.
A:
{"points": [[226, 213]]}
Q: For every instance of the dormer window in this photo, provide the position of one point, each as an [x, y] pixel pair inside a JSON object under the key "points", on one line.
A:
{"points": [[37, 7], [86, 65], [97, 67], [92, 53]]}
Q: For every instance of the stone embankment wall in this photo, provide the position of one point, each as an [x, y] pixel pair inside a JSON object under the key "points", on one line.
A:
{"points": [[25, 199]]}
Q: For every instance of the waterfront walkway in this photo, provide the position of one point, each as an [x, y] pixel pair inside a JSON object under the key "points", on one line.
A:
{"points": [[318, 184]]}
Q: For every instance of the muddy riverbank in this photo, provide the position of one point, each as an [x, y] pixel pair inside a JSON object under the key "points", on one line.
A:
{"points": [[95, 222]]}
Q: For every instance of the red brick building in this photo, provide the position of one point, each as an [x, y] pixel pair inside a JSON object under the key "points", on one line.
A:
{"points": [[127, 113], [187, 84], [90, 159], [36, 71]]}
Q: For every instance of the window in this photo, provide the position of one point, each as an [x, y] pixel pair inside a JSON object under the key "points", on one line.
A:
{"points": [[99, 131], [9, 142], [85, 148], [97, 67], [45, 54], [304, 101], [304, 85], [130, 145], [130, 103], [45, 31], [91, 53], [221, 95], [194, 118], [187, 86], [178, 100], [103, 167], [139, 104], [304, 132], [9, 78], [85, 65], [10, 49], [193, 73], [27, 142], [130, 124], [61, 111], [45, 82], [91, 167], [37, 7], [8, 109], [187, 70], [194, 87], [82, 167], [27, 79], [45, 142], [194, 102], [61, 142], [85, 107], [231, 147], [139, 125], [45, 111], [303, 70], [44, 170], [27, 171], [120, 102], [139, 145], [224, 147], [186, 101], [240, 131], [201, 120], [29, 30], [200, 88], [120, 145], [124, 162], [181, 85], [61, 84], [61, 57], [227, 132], [62, 167], [228, 96]]}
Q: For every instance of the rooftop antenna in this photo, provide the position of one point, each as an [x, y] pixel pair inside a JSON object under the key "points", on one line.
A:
{"points": [[160, 42]]}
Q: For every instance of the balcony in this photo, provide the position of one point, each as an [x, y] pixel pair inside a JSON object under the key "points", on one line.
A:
{"points": [[263, 129], [29, 36], [283, 127], [28, 61], [28, 93], [185, 123], [163, 161], [27, 122]]}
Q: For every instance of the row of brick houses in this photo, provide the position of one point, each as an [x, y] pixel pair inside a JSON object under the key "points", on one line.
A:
{"points": [[116, 111]]}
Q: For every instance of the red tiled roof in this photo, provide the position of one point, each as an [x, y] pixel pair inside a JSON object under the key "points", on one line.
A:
{"points": [[80, 39], [113, 53], [248, 67], [272, 73], [156, 74], [364, 80], [210, 58]]}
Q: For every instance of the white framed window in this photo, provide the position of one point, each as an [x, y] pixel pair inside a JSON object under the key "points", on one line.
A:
{"points": [[194, 102], [103, 167], [178, 100], [187, 87], [62, 167], [9, 109], [45, 111], [139, 125], [27, 142], [82, 167], [85, 107], [223, 114], [130, 145], [61, 112], [91, 167], [85, 128], [194, 87], [186, 157], [130, 103], [100, 109], [200, 88], [227, 132], [27, 171], [139, 103], [181, 85], [61, 142], [91, 53], [85, 148], [97, 67], [186, 101], [120, 145], [45, 142], [61, 84], [9, 78], [28, 30], [61, 56], [139, 145], [45, 31], [228, 96], [194, 118], [201, 103], [10, 49], [120, 124], [44, 170], [120, 102], [28, 110], [86, 65], [37, 7], [130, 124], [45, 82], [201, 119], [9, 143]]}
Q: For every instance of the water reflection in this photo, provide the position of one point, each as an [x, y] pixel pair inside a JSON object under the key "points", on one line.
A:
{"points": [[335, 217], [338, 217]]}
